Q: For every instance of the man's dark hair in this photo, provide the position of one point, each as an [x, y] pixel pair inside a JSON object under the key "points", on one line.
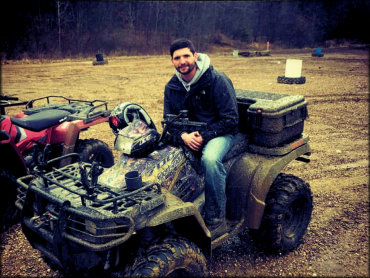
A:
{"points": [[181, 43]]}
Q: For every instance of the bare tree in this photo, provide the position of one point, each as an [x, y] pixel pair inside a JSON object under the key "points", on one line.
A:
{"points": [[61, 27], [62, 18]]}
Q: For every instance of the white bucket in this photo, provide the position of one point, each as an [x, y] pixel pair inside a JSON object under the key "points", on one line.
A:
{"points": [[235, 53], [293, 68]]}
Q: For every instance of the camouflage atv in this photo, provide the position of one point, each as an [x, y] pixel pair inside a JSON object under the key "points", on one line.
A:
{"points": [[143, 216]]}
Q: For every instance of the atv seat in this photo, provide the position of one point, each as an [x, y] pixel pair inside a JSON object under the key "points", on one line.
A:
{"points": [[42, 120], [240, 145]]}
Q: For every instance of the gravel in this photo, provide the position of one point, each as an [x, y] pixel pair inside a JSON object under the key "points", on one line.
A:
{"points": [[336, 89]]}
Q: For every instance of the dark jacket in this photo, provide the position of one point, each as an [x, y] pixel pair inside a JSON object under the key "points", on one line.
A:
{"points": [[211, 100]]}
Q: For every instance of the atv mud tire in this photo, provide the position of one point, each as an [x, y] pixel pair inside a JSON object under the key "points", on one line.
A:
{"points": [[93, 149], [291, 80], [286, 217], [170, 257], [9, 212]]}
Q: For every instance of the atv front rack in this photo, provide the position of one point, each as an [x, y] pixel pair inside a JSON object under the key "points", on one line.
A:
{"points": [[57, 206]]}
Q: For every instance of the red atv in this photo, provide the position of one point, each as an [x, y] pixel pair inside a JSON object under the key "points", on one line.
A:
{"points": [[43, 132]]}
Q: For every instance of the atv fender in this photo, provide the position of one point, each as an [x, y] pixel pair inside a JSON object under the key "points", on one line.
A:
{"points": [[185, 218], [250, 179], [69, 132]]}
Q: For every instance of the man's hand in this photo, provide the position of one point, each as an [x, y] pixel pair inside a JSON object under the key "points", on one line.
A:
{"points": [[193, 140]]}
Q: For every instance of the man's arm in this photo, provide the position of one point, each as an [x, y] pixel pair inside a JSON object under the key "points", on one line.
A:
{"points": [[227, 108], [184, 129], [166, 103]]}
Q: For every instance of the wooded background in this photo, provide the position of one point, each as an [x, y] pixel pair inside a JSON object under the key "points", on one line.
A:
{"points": [[57, 29]]}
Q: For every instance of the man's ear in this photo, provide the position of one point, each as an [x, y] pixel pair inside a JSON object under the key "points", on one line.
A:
{"points": [[196, 56]]}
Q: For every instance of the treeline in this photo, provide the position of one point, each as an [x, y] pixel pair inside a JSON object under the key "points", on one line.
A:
{"points": [[50, 29]]}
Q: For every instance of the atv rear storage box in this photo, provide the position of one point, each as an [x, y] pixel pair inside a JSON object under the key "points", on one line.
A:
{"points": [[271, 119]]}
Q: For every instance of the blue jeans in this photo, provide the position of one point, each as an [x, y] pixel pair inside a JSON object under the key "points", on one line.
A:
{"points": [[215, 176]]}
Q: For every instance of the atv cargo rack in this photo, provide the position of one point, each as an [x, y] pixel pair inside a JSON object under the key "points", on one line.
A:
{"points": [[94, 216], [79, 109]]}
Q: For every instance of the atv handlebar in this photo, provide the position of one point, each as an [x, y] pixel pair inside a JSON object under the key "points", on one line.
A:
{"points": [[5, 102], [2, 97]]}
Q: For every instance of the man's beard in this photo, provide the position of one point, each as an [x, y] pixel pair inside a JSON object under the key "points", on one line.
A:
{"points": [[190, 68]]}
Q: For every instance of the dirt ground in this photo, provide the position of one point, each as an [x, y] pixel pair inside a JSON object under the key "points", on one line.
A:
{"points": [[337, 93]]}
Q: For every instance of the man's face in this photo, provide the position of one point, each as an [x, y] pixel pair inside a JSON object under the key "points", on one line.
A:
{"points": [[184, 61]]}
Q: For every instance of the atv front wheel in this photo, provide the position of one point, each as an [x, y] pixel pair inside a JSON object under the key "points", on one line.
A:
{"points": [[170, 257], [8, 211], [287, 215], [95, 150]]}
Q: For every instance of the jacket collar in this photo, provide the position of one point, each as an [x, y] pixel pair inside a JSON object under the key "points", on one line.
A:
{"points": [[202, 83]]}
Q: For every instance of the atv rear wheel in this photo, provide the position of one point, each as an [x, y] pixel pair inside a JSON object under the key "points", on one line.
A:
{"points": [[95, 150], [287, 215], [8, 211], [170, 257]]}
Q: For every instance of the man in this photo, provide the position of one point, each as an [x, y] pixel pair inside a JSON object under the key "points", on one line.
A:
{"points": [[209, 97]]}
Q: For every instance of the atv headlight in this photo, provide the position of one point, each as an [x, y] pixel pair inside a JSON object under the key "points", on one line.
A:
{"points": [[90, 227]]}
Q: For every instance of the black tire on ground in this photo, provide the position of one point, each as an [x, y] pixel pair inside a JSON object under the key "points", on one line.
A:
{"points": [[96, 63], [317, 55], [291, 80], [95, 150], [286, 217], [170, 257], [9, 213], [245, 54]]}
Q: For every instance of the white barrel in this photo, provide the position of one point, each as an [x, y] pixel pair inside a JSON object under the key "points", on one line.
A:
{"points": [[293, 68]]}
